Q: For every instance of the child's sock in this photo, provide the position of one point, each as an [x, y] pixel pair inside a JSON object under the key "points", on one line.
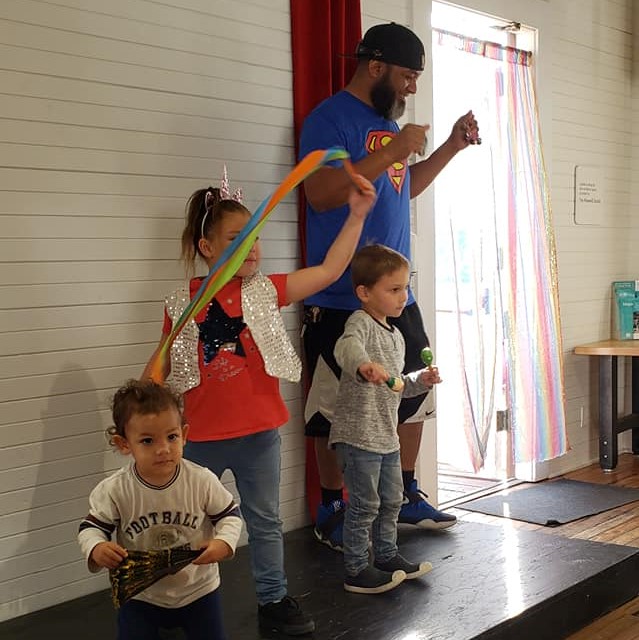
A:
{"points": [[407, 479], [330, 495]]}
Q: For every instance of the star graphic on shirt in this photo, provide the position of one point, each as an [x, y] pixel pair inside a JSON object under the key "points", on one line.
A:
{"points": [[219, 332]]}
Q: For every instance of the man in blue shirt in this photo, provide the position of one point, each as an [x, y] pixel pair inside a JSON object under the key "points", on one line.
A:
{"points": [[362, 119]]}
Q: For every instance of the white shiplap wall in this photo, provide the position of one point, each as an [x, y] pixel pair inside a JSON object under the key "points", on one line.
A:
{"points": [[111, 114], [594, 123]]}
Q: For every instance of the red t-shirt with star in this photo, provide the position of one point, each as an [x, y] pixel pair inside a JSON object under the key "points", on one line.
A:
{"points": [[235, 397]]}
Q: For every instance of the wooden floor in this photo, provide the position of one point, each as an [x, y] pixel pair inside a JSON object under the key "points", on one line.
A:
{"points": [[489, 582], [493, 579], [454, 485], [618, 526]]}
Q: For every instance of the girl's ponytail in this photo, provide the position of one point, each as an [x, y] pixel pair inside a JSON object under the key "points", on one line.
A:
{"points": [[198, 219]]}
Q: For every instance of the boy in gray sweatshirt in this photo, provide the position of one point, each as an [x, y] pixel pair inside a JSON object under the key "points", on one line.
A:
{"points": [[364, 428]]}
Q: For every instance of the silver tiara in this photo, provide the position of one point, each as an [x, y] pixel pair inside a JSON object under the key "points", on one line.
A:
{"points": [[225, 189], [225, 194]]}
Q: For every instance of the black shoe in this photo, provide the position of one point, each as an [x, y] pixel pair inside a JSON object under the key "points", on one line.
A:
{"points": [[285, 616], [372, 580], [399, 563]]}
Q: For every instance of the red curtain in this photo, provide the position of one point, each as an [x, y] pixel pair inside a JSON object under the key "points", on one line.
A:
{"points": [[321, 30]]}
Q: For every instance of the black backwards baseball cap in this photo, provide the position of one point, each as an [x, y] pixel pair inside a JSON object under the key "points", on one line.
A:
{"points": [[394, 44]]}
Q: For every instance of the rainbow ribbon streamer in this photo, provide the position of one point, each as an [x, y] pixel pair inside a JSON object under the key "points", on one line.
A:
{"points": [[235, 254]]}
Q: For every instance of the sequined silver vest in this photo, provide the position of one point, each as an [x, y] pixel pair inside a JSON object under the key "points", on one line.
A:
{"points": [[185, 369], [262, 316]]}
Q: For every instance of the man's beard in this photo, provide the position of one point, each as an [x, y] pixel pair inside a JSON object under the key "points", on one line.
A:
{"points": [[385, 100]]}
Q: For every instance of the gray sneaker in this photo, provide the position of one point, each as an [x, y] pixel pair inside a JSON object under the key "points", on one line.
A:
{"points": [[399, 563], [372, 580]]}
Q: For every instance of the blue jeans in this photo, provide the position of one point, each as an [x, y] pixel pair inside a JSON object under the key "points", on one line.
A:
{"points": [[375, 493], [254, 460], [200, 620]]}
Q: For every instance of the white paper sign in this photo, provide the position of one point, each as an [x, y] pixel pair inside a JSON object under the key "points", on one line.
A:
{"points": [[589, 199]]}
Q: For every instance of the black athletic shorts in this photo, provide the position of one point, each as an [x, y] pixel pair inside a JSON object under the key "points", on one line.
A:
{"points": [[322, 328]]}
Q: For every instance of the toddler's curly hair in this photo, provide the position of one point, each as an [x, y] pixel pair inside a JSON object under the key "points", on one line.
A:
{"points": [[140, 397]]}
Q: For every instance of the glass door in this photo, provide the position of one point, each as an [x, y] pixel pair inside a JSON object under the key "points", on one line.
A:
{"points": [[473, 437]]}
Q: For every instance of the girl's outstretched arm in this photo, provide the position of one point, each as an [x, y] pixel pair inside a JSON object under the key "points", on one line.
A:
{"points": [[305, 282]]}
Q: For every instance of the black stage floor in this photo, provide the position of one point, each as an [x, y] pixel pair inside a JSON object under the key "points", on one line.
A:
{"points": [[489, 582]]}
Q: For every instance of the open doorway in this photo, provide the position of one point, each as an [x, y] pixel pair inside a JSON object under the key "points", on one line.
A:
{"points": [[475, 452]]}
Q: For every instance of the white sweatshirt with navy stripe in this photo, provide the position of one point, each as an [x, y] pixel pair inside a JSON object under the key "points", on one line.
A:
{"points": [[192, 508]]}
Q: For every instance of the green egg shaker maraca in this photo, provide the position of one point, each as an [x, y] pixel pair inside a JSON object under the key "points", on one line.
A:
{"points": [[395, 384], [426, 355]]}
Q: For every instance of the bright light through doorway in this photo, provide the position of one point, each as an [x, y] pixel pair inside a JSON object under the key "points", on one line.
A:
{"points": [[469, 301]]}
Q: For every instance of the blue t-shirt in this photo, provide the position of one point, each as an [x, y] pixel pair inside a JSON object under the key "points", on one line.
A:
{"points": [[345, 121]]}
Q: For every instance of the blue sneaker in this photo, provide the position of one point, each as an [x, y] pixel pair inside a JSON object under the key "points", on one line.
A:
{"points": [[329, 524], [415, 510]]}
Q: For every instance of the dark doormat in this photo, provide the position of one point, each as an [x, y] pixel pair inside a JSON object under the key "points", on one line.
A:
{"points": [[552, 502]]}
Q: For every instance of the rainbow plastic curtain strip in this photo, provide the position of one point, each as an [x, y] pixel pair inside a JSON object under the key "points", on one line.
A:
{"points": [[529, 290], [482, 48], [235, 254], [536, 372]]}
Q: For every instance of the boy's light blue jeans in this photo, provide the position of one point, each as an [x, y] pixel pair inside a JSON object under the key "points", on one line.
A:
{"points": [[254, 460], [375, 493]]}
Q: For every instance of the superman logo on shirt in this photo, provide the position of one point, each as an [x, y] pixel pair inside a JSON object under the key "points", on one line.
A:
{"points": [[397, 171]]}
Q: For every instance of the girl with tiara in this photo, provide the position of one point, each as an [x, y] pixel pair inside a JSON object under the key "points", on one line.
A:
{"points": [[227, 361]]}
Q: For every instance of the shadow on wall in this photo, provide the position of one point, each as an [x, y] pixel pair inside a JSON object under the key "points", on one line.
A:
{"points": [[64, 456]]}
